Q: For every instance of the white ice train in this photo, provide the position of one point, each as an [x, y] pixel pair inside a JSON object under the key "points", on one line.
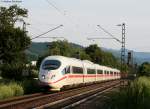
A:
{"points": [[57, 72]]}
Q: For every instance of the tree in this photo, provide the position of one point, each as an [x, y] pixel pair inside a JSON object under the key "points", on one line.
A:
{"points": [[95, 53], [84, 56], [109, 59], [144, 69], [13, 39], [60, 48]]}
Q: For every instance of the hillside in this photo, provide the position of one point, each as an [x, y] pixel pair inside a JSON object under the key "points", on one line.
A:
{"points": [[39, 48], [139, 57]]}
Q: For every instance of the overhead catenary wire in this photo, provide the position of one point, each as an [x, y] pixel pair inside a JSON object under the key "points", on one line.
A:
{"points": [[35, 28], [62, 13], [51, 4], [54, 37], [51, 29], [47, 32], [109, 34], [98, 38]]}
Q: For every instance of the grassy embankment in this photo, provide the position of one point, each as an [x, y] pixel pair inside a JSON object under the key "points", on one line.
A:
{"points": [[134, 96]]}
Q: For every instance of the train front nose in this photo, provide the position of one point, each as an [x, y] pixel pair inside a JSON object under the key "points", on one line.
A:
{"points": [[47, 76], [49, 71]]}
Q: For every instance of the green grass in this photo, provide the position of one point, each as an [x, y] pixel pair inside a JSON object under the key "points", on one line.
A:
{"points": [[10, 89], [17, 88], [134, 96]]}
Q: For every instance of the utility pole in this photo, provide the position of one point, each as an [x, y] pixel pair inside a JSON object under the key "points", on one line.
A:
{"points": [[123, 51], [24, 26], [24, 29], [122, 42]]}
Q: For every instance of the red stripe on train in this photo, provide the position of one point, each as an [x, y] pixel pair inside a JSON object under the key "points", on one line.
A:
{"points": [[79, 76]]}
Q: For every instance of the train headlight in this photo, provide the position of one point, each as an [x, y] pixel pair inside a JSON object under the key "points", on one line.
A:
{"points": [[43, 76]]}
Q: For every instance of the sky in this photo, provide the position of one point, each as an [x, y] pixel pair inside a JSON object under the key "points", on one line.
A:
{"points": [[81, 17]]}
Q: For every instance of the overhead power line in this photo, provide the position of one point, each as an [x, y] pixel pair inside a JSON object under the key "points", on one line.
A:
{"points": [[47, 32], [55, 37], [63, 13], [93, 38], [120, 41], [51, 4], [109, 34]]}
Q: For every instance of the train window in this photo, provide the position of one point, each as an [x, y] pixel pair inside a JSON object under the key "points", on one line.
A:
{"points": [[77, 70], [99, 71], [51, 64], [107, 72], [111, 72], [90, 71], [66, 70]]}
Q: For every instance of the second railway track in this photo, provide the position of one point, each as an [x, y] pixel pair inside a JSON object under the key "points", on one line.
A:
{"points": [[59, 99]]}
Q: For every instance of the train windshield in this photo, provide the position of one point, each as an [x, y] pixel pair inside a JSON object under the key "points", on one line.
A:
{"points": [[51, 64]]}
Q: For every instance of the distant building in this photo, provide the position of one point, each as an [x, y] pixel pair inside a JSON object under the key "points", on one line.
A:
{"points": [[33, 63]]}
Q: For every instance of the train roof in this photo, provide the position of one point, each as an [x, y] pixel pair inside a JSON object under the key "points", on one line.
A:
{"points": [[74, 61]]}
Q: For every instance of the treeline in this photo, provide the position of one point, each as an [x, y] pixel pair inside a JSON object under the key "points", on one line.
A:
{"points": [[144, 69], [92, 53]]}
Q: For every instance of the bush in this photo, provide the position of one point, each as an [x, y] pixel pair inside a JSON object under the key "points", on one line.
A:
{"points": [[10, 90], [12, 71], [30, 86], [34, 73]]}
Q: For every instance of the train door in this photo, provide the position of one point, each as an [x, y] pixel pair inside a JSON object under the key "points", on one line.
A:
{"points": [[84, 70], [66, 72]]}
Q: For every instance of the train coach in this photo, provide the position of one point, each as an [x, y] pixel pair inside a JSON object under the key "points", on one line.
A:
{"points": [[57, 72]]}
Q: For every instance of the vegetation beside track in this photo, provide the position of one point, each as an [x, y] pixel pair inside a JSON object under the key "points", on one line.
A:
{"points": [[11, 88], [135, 96]]}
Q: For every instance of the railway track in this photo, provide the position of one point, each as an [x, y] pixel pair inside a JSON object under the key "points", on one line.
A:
{"points": [[100, 94], [57, 100], [14, 99], [72, 101]]}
